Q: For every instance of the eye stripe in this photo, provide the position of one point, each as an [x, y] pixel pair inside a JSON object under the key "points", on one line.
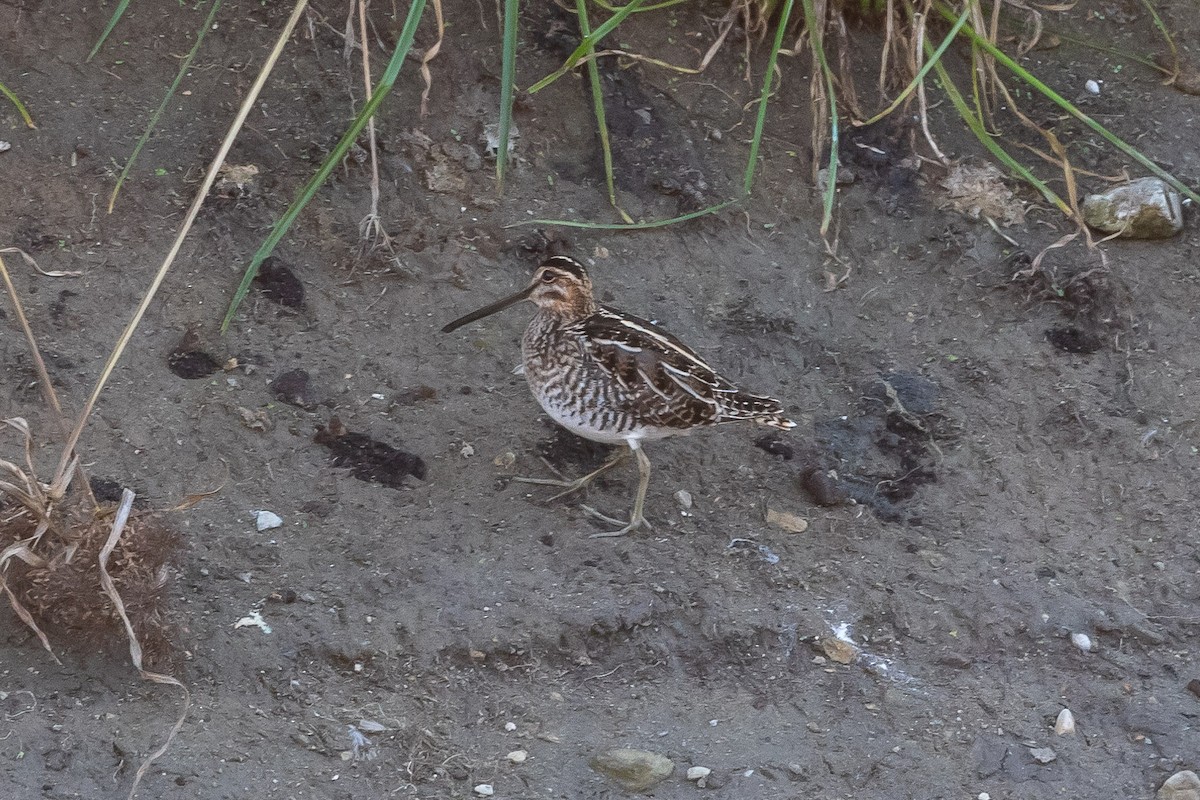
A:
{"points": [[566, 264]]}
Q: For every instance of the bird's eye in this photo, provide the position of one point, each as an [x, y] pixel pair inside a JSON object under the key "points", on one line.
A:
{"points": [[549, 277]]}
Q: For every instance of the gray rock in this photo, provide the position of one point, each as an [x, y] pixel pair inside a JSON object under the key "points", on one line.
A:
{"points": [[1183, 785], [633, 770], [1143, 209], [1043, 755]]}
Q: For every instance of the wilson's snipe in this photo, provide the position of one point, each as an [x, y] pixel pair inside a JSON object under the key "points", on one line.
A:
{"points": [[615, 378]]}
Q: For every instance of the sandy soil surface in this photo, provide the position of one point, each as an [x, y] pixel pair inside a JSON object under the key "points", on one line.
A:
{"points": [[987, 466]]}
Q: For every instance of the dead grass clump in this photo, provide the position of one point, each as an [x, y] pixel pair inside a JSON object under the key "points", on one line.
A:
{"points": [[55, 553], [63, 592]]}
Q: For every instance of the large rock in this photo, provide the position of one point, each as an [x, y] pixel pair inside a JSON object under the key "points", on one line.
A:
{"points": [[633, 770], [1183, 785], [1147, 208]]}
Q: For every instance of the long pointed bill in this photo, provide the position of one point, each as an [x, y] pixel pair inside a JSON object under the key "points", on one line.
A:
{"points": [[487, 311]]}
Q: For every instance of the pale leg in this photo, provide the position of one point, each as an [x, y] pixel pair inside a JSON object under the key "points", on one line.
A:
{"points": [[637, 519], [574, 486]]}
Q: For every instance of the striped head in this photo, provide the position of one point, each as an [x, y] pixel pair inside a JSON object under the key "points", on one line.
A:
{"points": [[560, 287]]}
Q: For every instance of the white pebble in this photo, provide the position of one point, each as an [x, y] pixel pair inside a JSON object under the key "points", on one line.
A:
{"points": [[484, 790], [1092, 87], [684, 498], [1065, 724], [1082, 641], [265, 520], [517, 756], [510, 726], [696, 773], [984, 796]]}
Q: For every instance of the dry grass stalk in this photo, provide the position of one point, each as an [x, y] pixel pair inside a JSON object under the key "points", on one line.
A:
{"points": [[371, 228], [430, 55], [119, 525]]}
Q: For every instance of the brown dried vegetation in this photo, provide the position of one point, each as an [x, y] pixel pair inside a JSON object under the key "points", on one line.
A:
{"points": [[53, 559]]}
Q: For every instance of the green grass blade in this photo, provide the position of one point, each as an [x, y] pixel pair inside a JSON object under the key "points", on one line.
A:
{"points": [[158, 112], [1166, 34], [655, 7], [977, 126], [598, 108], [634, 226], [1070, 108], [508, 77], [816, 37], [16, 101], [108, 29], [589, 41], [309, 191], [765, 95], [929, 62]]}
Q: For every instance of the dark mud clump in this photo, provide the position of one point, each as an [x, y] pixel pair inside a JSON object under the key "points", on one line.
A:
{"points": [[776, 446], [278, 283], [295, 387], [367, 458], [189, 361], [1071, 339], [883, 455]]}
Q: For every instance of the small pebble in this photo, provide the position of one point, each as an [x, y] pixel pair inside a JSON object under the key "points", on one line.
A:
{"points": [[517, 756], [1093, 87], [839, 650], [484, 790], [698, 773], [787, 521], [1082, 641], [510, 726], [1042, 755], [1065, 724], [265, 520], [684, 498]]}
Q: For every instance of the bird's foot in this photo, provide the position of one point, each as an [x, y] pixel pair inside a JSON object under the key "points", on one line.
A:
{"points": [[634, 524], [568, 487]]}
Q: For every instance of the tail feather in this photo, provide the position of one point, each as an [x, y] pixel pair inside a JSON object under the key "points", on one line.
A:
{"points": [[759, 409]]}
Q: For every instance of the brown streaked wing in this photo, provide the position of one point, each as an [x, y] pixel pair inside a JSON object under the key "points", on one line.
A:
{"points": [[665, 382]]}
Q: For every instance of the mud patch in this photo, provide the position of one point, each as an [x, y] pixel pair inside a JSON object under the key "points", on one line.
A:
{"points": [[367, 458], [882, 456], [277, 282]]}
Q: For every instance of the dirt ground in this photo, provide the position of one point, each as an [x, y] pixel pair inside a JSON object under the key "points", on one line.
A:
{"points": [[987, 465]]}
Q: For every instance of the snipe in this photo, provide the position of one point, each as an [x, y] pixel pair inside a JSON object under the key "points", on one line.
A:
{"points": [[615, 378]]}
